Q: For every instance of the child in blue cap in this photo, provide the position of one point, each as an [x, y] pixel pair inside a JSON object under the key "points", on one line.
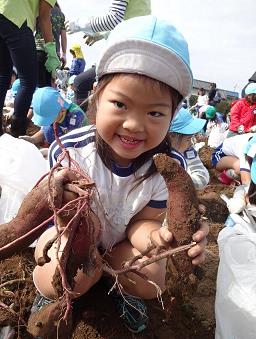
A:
{"points": [[49, 107], [143, 76], [182, 131]]}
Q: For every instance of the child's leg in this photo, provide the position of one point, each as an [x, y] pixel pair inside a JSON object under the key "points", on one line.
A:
{"points": [[227, 162], [245, 177], [245, 172], [155, 272], [36, 139], [43, 275]]}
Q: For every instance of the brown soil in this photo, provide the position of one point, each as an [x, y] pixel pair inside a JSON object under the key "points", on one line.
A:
{"points": [[94, 314]]}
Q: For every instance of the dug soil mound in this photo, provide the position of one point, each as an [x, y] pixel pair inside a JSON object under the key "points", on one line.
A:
{"points": [[94, 315]]}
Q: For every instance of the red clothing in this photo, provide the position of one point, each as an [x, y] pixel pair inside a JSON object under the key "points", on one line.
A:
{"points": [[242, 113]]}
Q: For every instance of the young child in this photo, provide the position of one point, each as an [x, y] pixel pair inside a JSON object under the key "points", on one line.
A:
{"points": [[229, 159], [243, 113], [182, 130], [78, 62], [70, 90], [143, 75], [49, 107], [209, 113], [202, 100]]}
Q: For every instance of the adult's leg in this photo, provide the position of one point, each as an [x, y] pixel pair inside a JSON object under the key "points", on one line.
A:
{"points": [[44, 78], [21, 45], [5, 69]]}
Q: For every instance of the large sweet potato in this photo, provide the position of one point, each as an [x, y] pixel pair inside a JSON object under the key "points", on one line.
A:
{"points": [[182, 219], [34, 210]]}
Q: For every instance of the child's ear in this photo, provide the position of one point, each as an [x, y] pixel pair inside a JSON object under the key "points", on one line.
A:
{"points": [[94, 86]]}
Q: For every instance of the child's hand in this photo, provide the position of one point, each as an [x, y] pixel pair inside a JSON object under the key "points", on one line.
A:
{"points": [[91, 39], [197, 252], [161, 237]]}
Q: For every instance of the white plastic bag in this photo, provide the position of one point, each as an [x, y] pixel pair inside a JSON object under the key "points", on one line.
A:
{"points": [[235, 303], [21, 166], [217, 135]]}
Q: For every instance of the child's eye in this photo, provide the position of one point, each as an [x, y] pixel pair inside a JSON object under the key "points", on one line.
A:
{"points": [[156, 114], [119, 105]]}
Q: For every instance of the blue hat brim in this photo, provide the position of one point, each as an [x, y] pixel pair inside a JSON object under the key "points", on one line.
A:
{"points": [[193, 127]]}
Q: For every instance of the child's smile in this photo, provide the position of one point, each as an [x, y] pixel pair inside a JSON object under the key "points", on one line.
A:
{"points": [[129, 142], [133, 116]]}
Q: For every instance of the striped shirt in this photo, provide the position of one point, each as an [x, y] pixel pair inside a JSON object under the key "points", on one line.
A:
{"points": [[118, 11]]}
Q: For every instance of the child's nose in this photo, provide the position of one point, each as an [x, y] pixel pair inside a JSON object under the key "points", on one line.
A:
{"points": [[134, 122]]}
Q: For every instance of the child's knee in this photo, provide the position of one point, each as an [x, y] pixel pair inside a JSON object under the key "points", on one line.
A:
{"points": [[43, 275], [149, 287]]}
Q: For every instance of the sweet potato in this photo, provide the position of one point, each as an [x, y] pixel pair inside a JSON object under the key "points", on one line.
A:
{"points": [[182, 218], [48, 322], [34, 210], [80, 250]]}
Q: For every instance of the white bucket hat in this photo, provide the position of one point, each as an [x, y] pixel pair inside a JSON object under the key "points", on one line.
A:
{"points": [[150, 46]]}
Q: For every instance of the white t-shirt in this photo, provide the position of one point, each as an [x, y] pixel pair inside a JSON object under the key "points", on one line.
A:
{"points": [[235, 146], [114, 202], [202, 100]]}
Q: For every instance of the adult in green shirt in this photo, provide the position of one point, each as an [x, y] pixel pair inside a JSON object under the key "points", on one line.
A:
{"points": [[17, 48]]}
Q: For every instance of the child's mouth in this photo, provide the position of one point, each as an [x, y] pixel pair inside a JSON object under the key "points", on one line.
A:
{"points": [[129, 140]]}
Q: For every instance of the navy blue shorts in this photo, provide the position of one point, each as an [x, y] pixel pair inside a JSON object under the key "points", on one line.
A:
{"points": [[217, 155]]}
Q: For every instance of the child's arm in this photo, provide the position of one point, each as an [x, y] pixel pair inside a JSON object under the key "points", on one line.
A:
{"points": [[145, 224], [45, 20], [235, 114]]}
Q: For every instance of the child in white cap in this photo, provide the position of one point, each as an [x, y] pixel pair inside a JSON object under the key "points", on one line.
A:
{"points": [[182, 131], [143, 76], [49, 107]]}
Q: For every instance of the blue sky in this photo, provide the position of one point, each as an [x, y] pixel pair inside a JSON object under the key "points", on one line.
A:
{"points": [[220, 33]]}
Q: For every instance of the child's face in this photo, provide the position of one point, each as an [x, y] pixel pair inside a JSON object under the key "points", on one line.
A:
{"points": [[251, 98], [133, 116], [181, 142]]}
